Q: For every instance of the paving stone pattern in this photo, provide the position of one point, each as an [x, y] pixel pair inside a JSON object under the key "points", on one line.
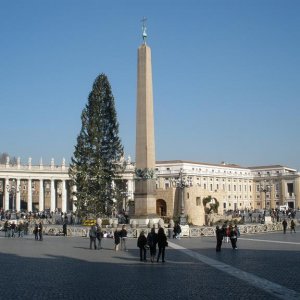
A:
{"points": [[65, 268]]}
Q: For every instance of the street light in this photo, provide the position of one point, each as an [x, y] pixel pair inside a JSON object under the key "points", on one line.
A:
{"points": [[265, 188], [181, 183], [13, 189]]}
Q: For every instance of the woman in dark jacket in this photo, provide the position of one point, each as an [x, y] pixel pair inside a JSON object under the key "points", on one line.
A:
{"points": [[141, 243], [162, 243], [152, 241]]}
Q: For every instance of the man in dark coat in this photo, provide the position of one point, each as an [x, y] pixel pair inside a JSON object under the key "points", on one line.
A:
{"points": [[219, 235], [284, 224]]}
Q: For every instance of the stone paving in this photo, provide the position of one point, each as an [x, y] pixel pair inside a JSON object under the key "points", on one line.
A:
{"points": [[65, 268]]}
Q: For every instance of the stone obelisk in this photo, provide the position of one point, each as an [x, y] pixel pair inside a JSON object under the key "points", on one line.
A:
{"points": [[145, 188]]}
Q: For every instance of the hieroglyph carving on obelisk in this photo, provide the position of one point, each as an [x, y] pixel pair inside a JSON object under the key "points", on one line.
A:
{"points": [[145, 188]]}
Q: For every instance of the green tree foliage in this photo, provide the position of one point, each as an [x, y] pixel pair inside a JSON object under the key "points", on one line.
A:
{"points": [[96, 159]]}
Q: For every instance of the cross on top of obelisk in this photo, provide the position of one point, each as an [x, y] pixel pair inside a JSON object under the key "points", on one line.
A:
{"points": [[144, 28]]}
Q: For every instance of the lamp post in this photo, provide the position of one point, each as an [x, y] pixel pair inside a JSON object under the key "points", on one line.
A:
{"points": [[13, 189], [265, 188], [181, 183]]}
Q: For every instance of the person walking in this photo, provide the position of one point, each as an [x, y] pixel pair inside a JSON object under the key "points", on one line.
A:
{"points": [[233, 236], [293, 225], [152, 241], [36, 232], [219, 236], [162, 243], [117, 239], [99, 236], [92, 235], [227, 234], [284, 224], [65, 229], [123, 236], [142, 243], [177, 231], [40, 231]]}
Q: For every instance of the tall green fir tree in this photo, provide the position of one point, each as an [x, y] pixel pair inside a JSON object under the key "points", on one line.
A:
{"points": [[96, 160]]}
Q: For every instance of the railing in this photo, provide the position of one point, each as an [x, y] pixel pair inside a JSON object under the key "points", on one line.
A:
{"points": [[186, 231]]}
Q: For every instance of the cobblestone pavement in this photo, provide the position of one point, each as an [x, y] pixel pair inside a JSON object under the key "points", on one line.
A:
{"points": [[65, 268]]}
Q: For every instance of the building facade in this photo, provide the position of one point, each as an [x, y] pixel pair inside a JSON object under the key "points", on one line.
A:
{"points": [[181, 187]]}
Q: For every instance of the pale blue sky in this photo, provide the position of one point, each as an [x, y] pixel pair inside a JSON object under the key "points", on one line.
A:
{"points": [[225, 75]]}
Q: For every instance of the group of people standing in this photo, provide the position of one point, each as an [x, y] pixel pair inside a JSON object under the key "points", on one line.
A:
{"points": [[13, 230], [229, 232], [150, 242]]}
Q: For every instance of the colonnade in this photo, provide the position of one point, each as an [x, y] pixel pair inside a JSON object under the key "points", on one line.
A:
{"points": [[12, 188]]}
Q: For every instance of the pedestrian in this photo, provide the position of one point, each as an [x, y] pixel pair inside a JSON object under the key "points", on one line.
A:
{"points": [[40, 230], [36, 232], [99, 235], [152, 241], [233, 236], [162, 244], [219, 236], [293, 225], [142, 244], [227, 234], [123, 236], [65, 229], [92, 235], [117, 239], [177, 231], [284, 224], [20, 229], [12, 229], [6, 228]]}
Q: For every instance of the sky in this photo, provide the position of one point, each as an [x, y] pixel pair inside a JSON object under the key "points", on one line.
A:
{"points": [[225, 76]]}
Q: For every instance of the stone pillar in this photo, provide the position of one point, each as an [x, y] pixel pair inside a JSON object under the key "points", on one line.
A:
{"points": [[6, 200], [18, 196], [29, 195], [145, 189], [64, 197], [53, 196], [41, 196]]}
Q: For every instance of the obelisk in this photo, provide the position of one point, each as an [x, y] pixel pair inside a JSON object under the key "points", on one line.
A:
{"points": [[145, 189]]}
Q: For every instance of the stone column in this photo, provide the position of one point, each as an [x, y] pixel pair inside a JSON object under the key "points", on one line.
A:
{"points": [[29, 195], [18, 196], [41, 196], [53, 196], [6, 200], [64, 197]]}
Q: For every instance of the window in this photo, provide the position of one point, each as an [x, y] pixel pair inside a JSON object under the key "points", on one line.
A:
{"points": [[211, 187], [167, 185], [198, 201], [204, 186]]}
